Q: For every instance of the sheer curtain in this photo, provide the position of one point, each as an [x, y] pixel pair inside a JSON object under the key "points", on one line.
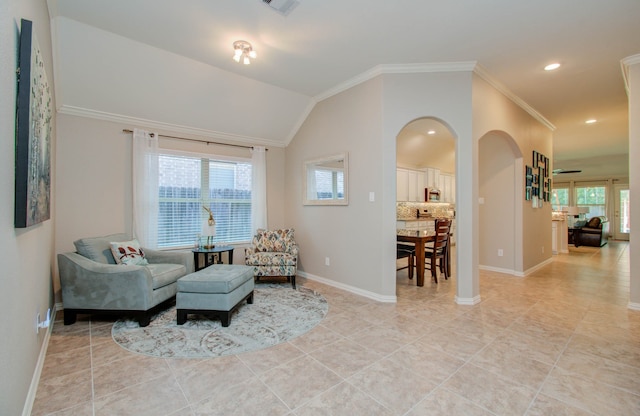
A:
{"points": [[145, 175], [258, 188]]}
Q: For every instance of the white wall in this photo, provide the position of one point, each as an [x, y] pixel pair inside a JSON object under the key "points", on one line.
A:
{"points": [[349, 235], [497, 181], [445, 96], [493, 111], [25, 286], [365, 120], [98, 71], [633, 90], [362, 234], [94, 179]]}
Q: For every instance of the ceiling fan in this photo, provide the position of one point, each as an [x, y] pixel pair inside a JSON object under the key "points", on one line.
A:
{"points": [[560, 171]]}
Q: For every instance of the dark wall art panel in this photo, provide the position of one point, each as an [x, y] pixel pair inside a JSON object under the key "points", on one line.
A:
{"points": [[33, 134]]}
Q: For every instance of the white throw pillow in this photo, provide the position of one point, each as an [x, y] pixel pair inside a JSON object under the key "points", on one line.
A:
{"points": [[128, 252]]}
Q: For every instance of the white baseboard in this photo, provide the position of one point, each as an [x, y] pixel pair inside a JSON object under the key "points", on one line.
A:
{"points": [[348, 288], [497, 270], [35, 380], [517, 273], [538, 266], [634, 305], [468, 301]]}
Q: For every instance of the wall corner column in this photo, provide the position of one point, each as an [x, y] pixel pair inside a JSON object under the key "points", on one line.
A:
{"points": [[467, 221], [631, 72]]}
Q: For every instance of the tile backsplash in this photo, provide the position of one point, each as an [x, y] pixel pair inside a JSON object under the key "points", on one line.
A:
{"points": [[408, 210]]}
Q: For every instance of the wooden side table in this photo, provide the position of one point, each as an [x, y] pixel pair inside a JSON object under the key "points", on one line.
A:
{"points": [[211, 256]]}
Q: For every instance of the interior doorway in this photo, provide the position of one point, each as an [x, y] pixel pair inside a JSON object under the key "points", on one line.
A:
{"points": [[425, 183], [621, 217]]}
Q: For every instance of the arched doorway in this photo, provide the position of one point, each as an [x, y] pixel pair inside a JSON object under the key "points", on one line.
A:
{"points": [[425, 174], [500, 203]]}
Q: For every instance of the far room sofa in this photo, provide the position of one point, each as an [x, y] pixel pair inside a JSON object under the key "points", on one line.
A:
{"points": [[594, 233], [92, 281]]}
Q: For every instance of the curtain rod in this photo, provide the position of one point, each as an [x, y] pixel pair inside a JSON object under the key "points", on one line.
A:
{"points": [[196, 140]]}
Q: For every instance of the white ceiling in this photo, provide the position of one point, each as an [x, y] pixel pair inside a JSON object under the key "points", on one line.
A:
{"points": [[323, 44]]}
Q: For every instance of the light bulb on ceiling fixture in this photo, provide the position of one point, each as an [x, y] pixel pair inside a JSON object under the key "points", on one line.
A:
{"points": [[552, 66], [243, 51]]}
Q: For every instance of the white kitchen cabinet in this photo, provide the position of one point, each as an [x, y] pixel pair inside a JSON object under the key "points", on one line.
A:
{"points": [[432, 177], [447, 188], [402, 185], [410, 185], [413, 185], [420, 188]]}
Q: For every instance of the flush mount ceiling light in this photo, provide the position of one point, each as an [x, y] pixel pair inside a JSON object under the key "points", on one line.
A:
{"points": [[552, 66], [243, 52], [431, 132], [591, 121]]}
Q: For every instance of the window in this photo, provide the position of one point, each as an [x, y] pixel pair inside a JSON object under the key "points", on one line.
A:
{"points": [[189, 182], [559, 198], [592, 197]]}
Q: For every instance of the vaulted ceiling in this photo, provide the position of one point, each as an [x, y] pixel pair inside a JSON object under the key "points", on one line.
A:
{"points": [[322, 46]]}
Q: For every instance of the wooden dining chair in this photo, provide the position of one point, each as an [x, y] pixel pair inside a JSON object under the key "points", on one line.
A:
{"points": [[436, 253], [406, 251]]}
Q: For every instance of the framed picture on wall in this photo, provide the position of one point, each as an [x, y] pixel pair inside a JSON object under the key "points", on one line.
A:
{"points": [[33, 134]]}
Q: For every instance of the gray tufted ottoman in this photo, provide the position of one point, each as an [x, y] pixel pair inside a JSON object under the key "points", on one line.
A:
{"points": [[216, 290]]}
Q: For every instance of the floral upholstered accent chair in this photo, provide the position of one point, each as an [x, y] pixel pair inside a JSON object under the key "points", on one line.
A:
{"points": [[273, 253]]}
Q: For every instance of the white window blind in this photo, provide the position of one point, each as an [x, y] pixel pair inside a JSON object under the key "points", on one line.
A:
{"points": [[593, 197], [189, 182], [559, 198]]}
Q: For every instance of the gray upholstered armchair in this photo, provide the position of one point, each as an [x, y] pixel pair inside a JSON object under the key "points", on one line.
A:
{"points": [[92, 282]]}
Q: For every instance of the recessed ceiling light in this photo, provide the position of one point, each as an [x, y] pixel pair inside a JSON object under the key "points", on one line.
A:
{"points": [[431, 132], [551, 67], [591, 121]]}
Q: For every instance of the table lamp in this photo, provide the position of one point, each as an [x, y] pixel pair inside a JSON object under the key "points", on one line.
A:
{"points": [[572, 213], [209, 229]]}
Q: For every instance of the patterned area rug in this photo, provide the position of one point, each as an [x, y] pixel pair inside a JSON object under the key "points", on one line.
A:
{"points": [[277, 314]]}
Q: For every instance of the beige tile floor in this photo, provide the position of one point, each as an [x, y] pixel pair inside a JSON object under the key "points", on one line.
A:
{"points": [[559, 342]]}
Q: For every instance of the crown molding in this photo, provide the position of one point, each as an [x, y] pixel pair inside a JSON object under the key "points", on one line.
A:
{"points": [[301, 119], [158, 125], [484, 74], [624, 65], [395, 69], [467, 66]]}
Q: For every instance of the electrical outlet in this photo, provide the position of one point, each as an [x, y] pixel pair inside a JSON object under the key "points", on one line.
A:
{"points": [[327, 262], [500, 252]]}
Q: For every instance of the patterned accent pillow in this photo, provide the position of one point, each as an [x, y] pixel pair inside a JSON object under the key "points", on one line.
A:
{"points": [[129, 253]]}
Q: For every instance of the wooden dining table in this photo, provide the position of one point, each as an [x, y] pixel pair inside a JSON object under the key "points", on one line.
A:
{"points": [[419, 238]]}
